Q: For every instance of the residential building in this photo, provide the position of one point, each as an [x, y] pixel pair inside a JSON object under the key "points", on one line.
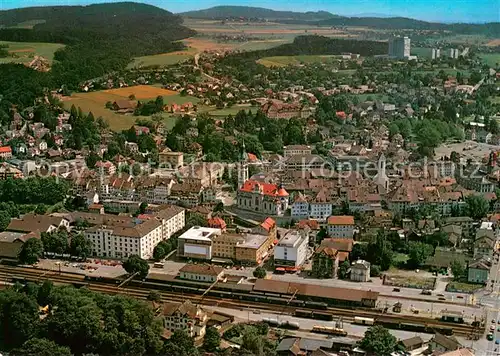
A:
{"points": [[185, 316], [399, 47], [125, 106], [201, 272], [172, 159], [172, 218], [106, 167], [291, 249], [265, 198], [268, 228], [5, 152], [296, 150], [253, 250], [341, 226], [360, 271], [484, 243], [121, 206], [300, 207], [9, 171], [465, 222], [479, 271], [343, 246], [124, 240], [441, 344], [325, 262], [412, 343], [40, 223], [321, 206], [224, 245], [279, 110], [217, 223], [197, 242]]}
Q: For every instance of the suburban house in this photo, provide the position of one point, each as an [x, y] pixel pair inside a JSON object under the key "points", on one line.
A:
{"points": [[360, 271], [479, 270], [441, 344], [125, 106], [484, 243], [325, 262], [5, 152], [341, 226], [184, 316]]}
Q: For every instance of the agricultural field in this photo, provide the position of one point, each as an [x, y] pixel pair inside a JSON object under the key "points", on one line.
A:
{"points": [[95, 102], [282, 61], [490, 59], [24, 52]]}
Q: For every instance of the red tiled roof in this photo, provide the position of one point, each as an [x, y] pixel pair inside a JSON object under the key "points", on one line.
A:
{"points": [[341, 220], [251, 157], [217, 222], [268, 224], [265, 188], [5, 149]]}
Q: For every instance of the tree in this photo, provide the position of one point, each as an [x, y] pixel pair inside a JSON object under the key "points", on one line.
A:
{"points": [[322, 234], [180, 344], [343, 270], [458, 270], [43, 296], [143, 207], [359, 252], [211, 340], [476, 207], [80, 246], [31, 251], [41, 347], [154, 296], [454, 156], [135, 264], [379, 341], [162, 250], [56, 241], [418, 253], [374, 271], [259, 272], [253, 342], [4, 220], [380, 251]]}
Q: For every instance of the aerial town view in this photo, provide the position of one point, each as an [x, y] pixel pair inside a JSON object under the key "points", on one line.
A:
{"points": [[314, 178]]}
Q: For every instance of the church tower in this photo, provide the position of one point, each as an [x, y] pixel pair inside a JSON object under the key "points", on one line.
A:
{"points": [[242, 166], [381, 178]]}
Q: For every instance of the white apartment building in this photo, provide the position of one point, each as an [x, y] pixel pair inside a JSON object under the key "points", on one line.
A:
{"points": [[123, 241], [197, 242], [320, 210], [341, 226], [300, 207], [291, 249], [119, 238]]}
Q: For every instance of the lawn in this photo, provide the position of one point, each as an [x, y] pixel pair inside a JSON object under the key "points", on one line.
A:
{"points": [[163, 59], [24, 52], [410, 282], [95, 102], [490, 58], [463, 287], [230, 111]]}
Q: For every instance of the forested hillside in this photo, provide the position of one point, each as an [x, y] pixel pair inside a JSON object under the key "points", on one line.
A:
{"points": [[100, 38], [225, 12]]}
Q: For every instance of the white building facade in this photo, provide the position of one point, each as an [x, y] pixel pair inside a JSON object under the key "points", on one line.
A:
{"points": [[291, 249]]}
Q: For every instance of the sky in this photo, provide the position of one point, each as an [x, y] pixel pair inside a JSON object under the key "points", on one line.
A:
{"points": [[474, 11]]}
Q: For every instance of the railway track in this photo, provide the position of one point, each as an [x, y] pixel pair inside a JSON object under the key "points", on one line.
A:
{"points": [[9, 273]]}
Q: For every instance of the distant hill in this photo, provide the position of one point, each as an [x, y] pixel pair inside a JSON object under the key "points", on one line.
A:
{"points": [[114, 22], [100, 38], [322, 18], [246, 12]]}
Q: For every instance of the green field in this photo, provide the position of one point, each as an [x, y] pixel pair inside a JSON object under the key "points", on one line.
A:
{"points": [[282, 61], [95, 102], [490, 58], [28, 24], [421, 52], [162, 60], [24, 52]]}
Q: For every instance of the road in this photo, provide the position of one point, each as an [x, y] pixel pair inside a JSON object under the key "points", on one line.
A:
{"points": [[492, 302]]}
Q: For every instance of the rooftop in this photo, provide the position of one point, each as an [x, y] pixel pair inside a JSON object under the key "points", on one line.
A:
{"points": [[341, 220], [252, 241], [203, 269], [200, 233], [290, 239]]}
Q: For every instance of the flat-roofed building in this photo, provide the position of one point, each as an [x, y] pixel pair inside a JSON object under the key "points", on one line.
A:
{"points": [[197, 242], [291, 249], [253, 249]]}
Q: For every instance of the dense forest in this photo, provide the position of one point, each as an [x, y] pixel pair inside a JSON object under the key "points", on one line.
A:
{"points": [[256, 13], [100, 38], [322, 18]]}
